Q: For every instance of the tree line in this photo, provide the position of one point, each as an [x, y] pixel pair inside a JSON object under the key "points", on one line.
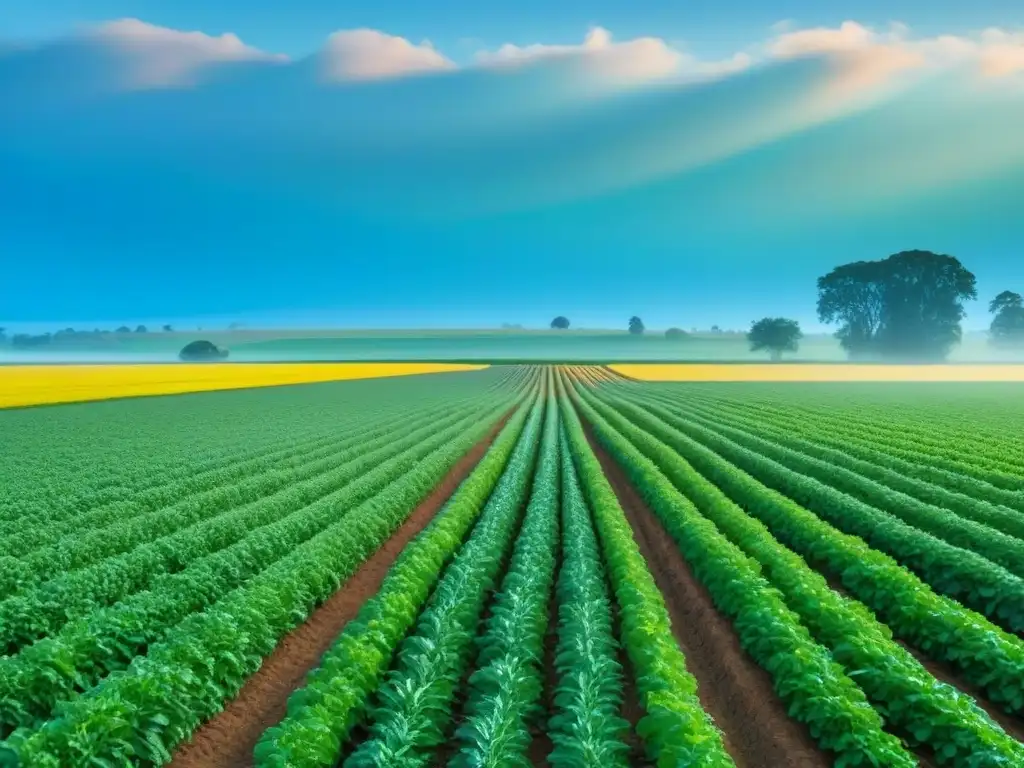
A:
{"points": [[907, 307], [28, 340]]}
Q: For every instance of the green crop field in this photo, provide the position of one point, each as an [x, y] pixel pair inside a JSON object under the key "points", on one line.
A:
{"points": [[525, 565]]}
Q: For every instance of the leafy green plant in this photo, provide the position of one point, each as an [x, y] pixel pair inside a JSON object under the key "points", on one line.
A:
{"points": [[919, 707], [199, 526], [971, 500], [335, 697], [675, 729], [952, 571], [138, 715], [998, 547], [505, 689], [414, 707], [75, 659], [938, 626], [586, 729], [44, 524], [816, 690]]}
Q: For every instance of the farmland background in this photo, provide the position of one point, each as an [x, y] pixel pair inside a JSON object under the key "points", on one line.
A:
{"points": [[317, 345]]}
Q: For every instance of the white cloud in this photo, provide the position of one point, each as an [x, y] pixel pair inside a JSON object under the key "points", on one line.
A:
{"points": [[167, 57], [642, 58], [850, 36], [862, 58], [366, 54], [875, 56], [1002, 53], [132, 54]]}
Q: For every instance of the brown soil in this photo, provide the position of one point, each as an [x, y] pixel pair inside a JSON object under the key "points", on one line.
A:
{"points": [[541, 744], [227, 740], [736, 692], [632, 710]]}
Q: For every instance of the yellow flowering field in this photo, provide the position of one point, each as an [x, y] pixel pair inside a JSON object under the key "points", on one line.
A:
{"points": [[22, 385], [811, 372]]}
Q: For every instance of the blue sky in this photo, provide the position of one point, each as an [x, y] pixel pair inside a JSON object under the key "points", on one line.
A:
{"points": [[692, 163], [459, 25]]}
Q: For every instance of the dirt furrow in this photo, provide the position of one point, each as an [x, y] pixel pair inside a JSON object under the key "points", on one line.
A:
{"points": [[733, 689], [632, 711], [227, 740]]}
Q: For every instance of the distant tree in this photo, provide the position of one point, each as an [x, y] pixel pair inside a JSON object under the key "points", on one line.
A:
{"points": [[1007, 328], [776, 335], [141, 329], [715, 329], [560, 323], [202, 351], [676, 333], [234, 326], [167, 329], [124, 329], [1005, 300], [28, 340], [3, 335], [636, 326], [908, 306]]}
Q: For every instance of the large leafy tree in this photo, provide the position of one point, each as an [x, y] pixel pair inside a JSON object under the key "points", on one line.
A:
{"points": [[775, 335], [908, 306], [1007, 327], [560, 323], [636, 325], [853, 296]]}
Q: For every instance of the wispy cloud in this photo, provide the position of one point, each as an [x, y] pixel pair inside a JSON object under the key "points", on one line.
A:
{"points": [[366, 54], [154, 56], [377, 122], [641, 58]]}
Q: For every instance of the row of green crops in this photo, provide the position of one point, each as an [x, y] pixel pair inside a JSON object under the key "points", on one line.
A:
{"points": [[925, 413], [505, 689], [951, 492], [76, 658], [958, 573], [415, 703], [41, 611], [675, 728], [586, 729], [92, 546], [140, 714], [920, 708], [74, 458], [938, 626], [884, 447], [335, 698], [817, 692], [52, 523], [938, 439], [1000, 548]]}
